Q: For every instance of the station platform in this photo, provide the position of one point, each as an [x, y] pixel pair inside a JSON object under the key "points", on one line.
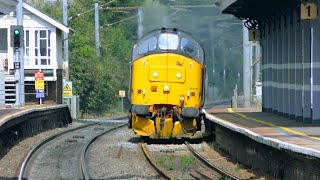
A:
{"points": [[8, 111], [269, 129], [43, 116]]}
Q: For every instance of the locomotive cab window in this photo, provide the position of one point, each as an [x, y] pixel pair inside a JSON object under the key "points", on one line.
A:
{"points": [[168, 42], [190, 48], [148, 45]]}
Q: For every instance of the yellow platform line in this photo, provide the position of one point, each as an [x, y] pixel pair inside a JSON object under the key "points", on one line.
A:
{"points": [[273, 125]]}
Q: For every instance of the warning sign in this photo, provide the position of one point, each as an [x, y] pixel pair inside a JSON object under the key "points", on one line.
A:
{"points": [[39, 80], [38, 75], [67, 89], [39, 85]]}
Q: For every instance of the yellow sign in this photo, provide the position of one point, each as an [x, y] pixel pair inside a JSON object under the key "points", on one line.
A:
{"points": [[67, 93], [254, 35], [39, 84], [67, 89], [309, 11]]}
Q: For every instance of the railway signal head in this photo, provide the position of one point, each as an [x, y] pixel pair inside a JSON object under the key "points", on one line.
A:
{"points": [[16, 36]]}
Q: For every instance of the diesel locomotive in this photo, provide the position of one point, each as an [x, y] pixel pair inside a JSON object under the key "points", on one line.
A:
{"points": [[167, 74]]}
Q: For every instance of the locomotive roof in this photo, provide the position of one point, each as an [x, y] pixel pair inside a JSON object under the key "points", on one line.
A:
{"points": [[178, 42], [167, 30]]}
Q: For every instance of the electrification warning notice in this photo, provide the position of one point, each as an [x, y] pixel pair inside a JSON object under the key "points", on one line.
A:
{"points": [[67, 89]]}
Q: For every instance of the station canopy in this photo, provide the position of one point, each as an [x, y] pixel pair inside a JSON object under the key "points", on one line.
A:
{"points": [[256, 9], [7, 6]]}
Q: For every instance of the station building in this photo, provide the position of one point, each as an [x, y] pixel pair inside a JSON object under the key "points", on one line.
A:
{"points": [[43, 38], [289, 33]]}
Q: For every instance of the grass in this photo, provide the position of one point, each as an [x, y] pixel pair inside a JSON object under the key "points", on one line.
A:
{"points": [[162, 159], [187, 160], [179, 148], [222, 167], [238, 167], [166, 161], [176, 163]]}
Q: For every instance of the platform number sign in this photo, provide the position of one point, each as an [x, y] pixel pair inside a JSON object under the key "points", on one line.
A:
{"points": [[309, 11], [254, 35]]}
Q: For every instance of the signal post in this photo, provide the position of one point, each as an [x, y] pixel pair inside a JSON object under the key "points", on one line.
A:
{"points": [[17, 44]]}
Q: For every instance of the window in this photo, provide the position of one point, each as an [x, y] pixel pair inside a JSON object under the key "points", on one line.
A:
{"points": [[42, 47], [168, 42], [3, 40], [27, 47], [36, 46], [189, 47], [148, 45]]}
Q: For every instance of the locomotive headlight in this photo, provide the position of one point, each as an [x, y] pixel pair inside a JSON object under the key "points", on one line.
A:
{"points": [[166, 88], [181, 98], [155, 74], [179, 75]]}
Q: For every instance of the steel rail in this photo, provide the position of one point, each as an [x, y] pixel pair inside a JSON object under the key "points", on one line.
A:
{"points": [[38, 146], [209, 164], [153, 163], [203, 176], [83, 164]]}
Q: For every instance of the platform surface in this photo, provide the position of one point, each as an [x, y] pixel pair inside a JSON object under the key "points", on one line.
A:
{"points": [[270, 129], [9, 112]]}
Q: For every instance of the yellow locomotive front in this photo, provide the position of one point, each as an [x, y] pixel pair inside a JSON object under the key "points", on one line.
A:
{"points": [[167, 85]]}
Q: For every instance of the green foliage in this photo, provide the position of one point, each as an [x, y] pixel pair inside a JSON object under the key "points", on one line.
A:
{"points": [[166, 161], [187, 160], [96, 79], [239, 167]]}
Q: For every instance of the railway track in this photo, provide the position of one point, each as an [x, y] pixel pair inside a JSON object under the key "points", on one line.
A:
{"points": [[153, 163], [84, 167], [209, 164], [194, 173], [63, 153]]}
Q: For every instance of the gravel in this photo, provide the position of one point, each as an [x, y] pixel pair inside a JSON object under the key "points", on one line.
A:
{"points": [[11, 158], [117, 155], [60, 159], [170, 157]]}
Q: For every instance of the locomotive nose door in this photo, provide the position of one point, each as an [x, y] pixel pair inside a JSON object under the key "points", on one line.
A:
{"points": [[168, 42], [158, 76]]}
